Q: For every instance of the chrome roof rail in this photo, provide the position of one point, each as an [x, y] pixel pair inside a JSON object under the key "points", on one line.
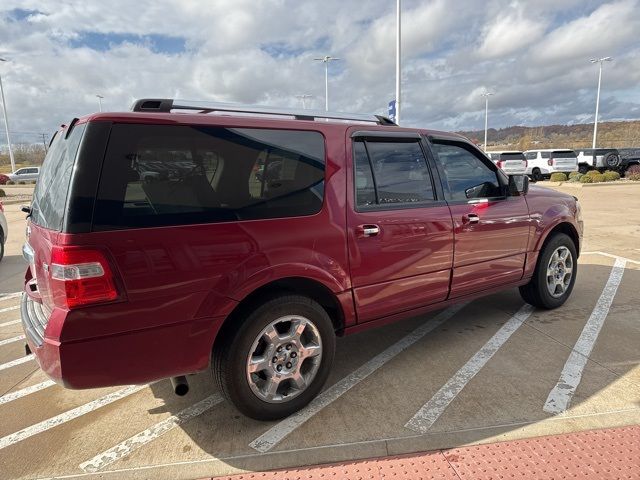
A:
{"points": [[165, 105]]}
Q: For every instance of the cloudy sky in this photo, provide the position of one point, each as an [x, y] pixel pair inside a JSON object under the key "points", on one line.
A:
{"points": [[533, 54]]}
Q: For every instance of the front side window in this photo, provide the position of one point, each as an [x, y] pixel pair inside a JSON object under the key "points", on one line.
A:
{"points": [[466, 176], [159, 175], [391, 173]]}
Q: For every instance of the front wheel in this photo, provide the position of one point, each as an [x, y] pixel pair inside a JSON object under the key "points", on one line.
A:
{"points": [[555, 274], [278, 359]]}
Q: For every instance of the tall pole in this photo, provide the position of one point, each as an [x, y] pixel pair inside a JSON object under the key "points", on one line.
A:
{"points": [[398, 36], [486, 96], [326, 59], [100, 97], [6, 123], [595, 123], [326, 85]]}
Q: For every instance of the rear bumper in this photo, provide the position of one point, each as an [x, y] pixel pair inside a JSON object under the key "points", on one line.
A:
{"points": [[123, 359]]}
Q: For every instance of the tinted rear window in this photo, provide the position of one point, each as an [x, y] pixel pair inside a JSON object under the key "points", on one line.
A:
{"points": [[51, 192], [564, 154], [157, 175], [512, 156]]}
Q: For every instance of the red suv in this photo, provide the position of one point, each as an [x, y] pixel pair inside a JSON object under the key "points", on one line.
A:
{"points": [[184, 236]]}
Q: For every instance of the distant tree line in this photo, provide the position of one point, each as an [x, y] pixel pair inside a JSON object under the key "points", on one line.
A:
{"points": [[23, 154]]}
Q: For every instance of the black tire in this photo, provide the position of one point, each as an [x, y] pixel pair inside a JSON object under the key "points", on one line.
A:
{"points": [[229, 365], [536, 175], [536, 292], [611, 160], [583, 169], [1, 245]]}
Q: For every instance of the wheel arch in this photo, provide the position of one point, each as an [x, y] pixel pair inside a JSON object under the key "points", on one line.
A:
{"points": [[328, 300], [562, 227]]}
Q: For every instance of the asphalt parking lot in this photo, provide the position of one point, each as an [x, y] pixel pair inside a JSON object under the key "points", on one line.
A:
{"points": [[492, 369]]}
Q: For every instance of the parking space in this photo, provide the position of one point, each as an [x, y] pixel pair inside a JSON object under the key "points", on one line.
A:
{"points": [[492, 369]]}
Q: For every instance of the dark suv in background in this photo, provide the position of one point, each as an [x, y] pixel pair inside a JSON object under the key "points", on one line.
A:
{"points": [[184, 236]]}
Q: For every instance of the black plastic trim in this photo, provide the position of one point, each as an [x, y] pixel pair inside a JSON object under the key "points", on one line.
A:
{"points": [[163, 105], [83, 187]]}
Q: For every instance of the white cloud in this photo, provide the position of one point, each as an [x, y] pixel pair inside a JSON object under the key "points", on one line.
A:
{"points": [[534, 55]]}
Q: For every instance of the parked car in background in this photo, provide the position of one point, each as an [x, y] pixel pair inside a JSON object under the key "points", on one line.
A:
{"points": [[542, 163], [352, 223], [4, 231], [600, 159], [511, 162], [628, 158], [25, 174]]}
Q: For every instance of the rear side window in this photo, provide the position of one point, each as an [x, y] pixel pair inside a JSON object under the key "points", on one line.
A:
{"points": [[391, 173], [531, 155], [159, 175], [51, 192]]}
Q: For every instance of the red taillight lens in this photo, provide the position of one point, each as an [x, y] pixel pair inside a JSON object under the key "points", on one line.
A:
{"points": [[80, 277], [1, 207], [526, 164], [500, 163], [550, 162]]}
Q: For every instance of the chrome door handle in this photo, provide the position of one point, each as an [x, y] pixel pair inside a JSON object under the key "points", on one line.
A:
{"points": [[470, 218], [368, 230]]}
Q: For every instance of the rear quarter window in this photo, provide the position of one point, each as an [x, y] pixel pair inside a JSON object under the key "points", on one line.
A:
{"points": [[161, 175], [52, 187]]}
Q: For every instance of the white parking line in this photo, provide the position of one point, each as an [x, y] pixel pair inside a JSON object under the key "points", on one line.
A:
{"points": [[278, 432], [12, 322], [560, 396], [7, 296], [67, 416], [10, 397], [8, 309], [11, 340], [140, 439], [429, 413], [18, 361]]}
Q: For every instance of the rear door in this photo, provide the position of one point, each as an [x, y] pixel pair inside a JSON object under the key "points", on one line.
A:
{"points": [[513, 163], [399, 226], [564, 160], [491, 230]]}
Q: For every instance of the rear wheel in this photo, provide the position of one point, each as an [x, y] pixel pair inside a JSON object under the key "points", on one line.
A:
{"points": [[278, 359], [583, 169], [555, 274], [536, 175]]}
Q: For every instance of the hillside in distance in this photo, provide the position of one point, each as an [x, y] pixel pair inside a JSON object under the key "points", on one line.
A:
{"points": [[610, 134]]}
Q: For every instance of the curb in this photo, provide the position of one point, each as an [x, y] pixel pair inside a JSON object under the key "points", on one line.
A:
{"points": [[626, 183]]}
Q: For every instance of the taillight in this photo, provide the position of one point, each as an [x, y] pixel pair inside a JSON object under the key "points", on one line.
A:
{"points": [[80, 277], [526, 163], [1, 207], [550, 162], [500, 163]]}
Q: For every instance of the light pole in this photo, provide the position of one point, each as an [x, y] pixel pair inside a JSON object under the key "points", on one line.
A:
{"points": [[326, 59], [398, 62], [100, 97], [595, 123], [486, 96], [303, 98], [6, 122]]}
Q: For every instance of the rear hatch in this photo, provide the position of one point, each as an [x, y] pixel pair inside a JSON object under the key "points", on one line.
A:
{"points": [[47, 214], [564, 160], [512, 162]]}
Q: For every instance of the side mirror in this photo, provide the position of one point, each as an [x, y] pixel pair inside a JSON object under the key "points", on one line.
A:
{"points": [[518, 185]]}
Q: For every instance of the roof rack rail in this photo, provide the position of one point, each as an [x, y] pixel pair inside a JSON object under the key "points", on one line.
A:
{"points": [[165, 105]]}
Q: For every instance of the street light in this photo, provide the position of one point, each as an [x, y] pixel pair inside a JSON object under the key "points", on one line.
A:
{"points": [[398, 62], [100, 97], [303, 98], [595, 123], [6, 122], [326, 59], [486, 96]]}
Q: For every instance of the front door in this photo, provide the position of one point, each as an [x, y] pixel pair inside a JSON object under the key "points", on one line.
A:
{"points": [[400, 229], [491, 229]]}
